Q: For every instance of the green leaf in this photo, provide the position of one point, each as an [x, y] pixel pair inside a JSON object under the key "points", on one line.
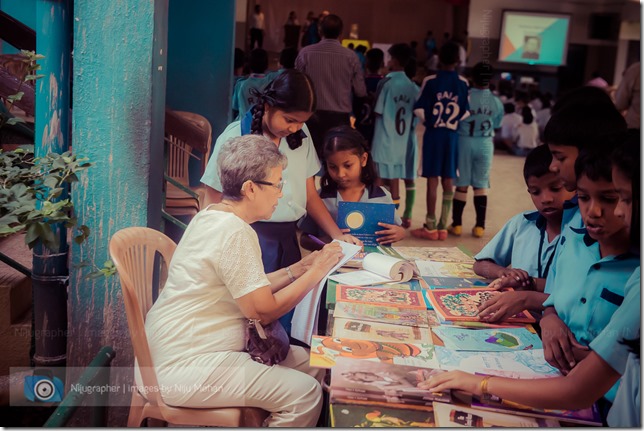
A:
{"points": [[14, 120], [16, 97]]}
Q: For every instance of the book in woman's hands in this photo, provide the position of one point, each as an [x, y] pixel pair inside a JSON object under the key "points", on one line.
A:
{"points": [[378, 268]]}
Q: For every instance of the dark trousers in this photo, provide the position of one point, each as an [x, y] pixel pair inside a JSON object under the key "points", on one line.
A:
{"points": [[256, 35], [321, 122], [278, 242]]}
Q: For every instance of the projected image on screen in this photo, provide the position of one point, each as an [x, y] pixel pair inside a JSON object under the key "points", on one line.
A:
{"points": [[534, 38]]}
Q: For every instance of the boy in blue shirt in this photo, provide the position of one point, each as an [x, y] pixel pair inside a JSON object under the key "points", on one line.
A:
{"points": [[441, 106], [243, 95], [394, 158], [587, 282], [516, 244], [584, 118], [475, 149]]}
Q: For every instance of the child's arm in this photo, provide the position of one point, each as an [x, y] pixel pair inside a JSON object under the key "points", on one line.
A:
{"points": [[591, 379], [489, 269], [316, 209]]}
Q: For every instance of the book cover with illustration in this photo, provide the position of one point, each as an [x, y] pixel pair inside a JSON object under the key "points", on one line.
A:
{"points": [[377, 331], [456, 416], [413, 284], [362, 218], [462, 304], [352, 416], [381, 313], [453, 282], [447, 269], [589, 416], [434, 254], [325, 350], [524, 364], [488, 340], [380, 380], [377, 296]]}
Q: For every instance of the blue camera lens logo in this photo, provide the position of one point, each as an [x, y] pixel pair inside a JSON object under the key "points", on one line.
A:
{"points": [[43, 388]]}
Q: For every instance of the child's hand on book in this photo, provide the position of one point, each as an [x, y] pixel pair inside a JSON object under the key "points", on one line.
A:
{"points": [[346, 237], [391, 233], [452, 380], [502, 306]]}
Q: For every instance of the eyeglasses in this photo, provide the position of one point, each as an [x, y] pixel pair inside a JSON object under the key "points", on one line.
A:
{"points": [[278, 186]]}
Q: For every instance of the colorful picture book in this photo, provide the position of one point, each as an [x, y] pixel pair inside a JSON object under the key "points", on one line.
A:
{"points": [[589, 416], [391, 297], [446, 269], [325, 351], [382, 381], [453, 282], [381, 313], [435, 254], [462, 304], [351, 415], [528, 364], [377, 268], [362, 218], [377, 331], [413, 284], [488, 340], [456, 416]]}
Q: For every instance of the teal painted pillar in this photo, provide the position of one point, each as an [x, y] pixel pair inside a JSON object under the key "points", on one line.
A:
{"points": [[49, 279], [201, 40], [117, 122]]}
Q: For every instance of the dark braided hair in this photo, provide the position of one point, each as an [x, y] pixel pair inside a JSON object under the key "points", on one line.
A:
{"points": [[344, 138], [290, 91]]}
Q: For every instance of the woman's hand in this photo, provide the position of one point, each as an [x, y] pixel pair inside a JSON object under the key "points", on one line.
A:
{"points": [[559, 344], [391, 233], [325, 259], [308, 260], [453, 380], [502, 305]]}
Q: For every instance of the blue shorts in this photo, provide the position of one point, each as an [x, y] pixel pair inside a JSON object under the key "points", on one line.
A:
{"points": [[474, 161], [440, 153]]}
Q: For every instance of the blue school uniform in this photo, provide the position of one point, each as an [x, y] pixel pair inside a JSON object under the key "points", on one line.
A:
{"points": [[475, 139], [443, 99], [331, 196], [587, 289], [394, 103], [516, 244], [623, 325]]}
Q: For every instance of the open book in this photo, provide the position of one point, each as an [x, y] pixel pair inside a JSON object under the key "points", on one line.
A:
{"points": [[377, 268]]}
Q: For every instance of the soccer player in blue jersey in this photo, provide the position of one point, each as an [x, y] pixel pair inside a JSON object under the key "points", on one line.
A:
{"points": [[442, 105], [475, 149], [243, 97], [394, 120]]}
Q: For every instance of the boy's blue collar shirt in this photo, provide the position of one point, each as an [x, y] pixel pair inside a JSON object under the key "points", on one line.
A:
{"points": [[538, 219], [331, 191]]}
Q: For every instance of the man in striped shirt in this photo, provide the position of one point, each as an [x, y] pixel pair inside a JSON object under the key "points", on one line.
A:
{"points": [[337, 76]]}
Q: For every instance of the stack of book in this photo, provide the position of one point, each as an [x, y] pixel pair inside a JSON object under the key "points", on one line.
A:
{"points": [[385, 338]]}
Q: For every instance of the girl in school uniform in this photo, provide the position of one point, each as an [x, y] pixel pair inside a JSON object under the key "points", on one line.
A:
{"points": [[613, 353], [350, 175], [279, 114]]}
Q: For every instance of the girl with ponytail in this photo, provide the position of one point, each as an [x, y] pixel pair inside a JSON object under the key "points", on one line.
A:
{"points": [[281, 110]]}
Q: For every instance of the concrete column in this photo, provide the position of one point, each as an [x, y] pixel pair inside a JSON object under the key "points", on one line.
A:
{"points": [[119, 98]]}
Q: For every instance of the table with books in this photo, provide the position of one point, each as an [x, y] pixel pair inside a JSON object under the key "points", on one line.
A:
{"points": [[391, 328]]}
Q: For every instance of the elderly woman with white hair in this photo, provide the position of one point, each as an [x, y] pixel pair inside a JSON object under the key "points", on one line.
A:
{"points": [[216, 281]]}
